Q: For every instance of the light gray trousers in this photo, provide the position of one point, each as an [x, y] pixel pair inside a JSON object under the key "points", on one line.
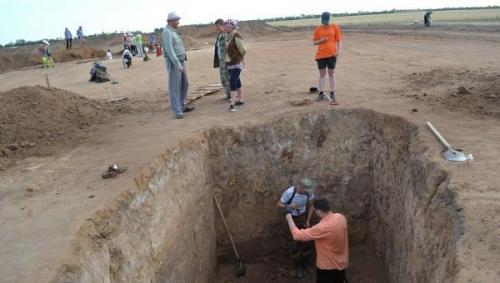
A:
{"points": [[177, 88]]}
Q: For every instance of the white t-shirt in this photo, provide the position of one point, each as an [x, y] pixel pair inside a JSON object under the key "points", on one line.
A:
{"points": [[298, 199], [109, 55], [126, 52]]}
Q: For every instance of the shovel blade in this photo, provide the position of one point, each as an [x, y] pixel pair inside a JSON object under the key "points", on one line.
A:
{"points": [[454, 155]]}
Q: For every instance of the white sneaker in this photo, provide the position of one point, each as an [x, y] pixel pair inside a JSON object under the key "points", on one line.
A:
{"points": [[231, 108]]}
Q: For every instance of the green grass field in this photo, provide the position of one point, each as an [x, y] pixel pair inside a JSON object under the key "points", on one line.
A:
{"points": [[474, 15]]}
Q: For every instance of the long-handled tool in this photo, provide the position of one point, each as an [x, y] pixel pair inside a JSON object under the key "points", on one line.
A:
{"points": [[449, 153], [109, 76], [242, 270]]}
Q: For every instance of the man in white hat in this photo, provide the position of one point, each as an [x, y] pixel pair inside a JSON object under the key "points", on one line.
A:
{"points": [[175, 58]]}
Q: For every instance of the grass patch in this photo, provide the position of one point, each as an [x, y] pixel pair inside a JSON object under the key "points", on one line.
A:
{"points": [[405, 17]]}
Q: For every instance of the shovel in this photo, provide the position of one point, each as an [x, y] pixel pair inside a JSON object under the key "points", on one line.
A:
{"points": [[449, 153], [112, 81], [242, 270]]}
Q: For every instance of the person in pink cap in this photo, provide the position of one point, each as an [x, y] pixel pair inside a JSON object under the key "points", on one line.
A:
{"points": [[235, 54]]}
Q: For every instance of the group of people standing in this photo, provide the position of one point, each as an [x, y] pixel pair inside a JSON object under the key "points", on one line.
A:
{"points": [[68, 36], [133, 43], [229, 57]]}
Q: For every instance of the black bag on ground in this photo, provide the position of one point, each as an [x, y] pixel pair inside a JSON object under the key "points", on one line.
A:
{"points": [[98, 73]]}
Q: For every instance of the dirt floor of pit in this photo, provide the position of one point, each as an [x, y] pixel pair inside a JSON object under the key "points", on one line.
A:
{"points": [[37, 224], [278, 268]]}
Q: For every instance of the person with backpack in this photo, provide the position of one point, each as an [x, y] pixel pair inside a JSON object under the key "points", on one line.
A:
{"points": [[235, 61], [297, 201]]}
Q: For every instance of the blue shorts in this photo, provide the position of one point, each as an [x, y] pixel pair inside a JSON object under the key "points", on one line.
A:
{"points": [[234, 79]]}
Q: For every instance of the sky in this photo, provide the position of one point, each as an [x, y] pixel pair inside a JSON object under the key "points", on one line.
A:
{"points": [[39, 19]]}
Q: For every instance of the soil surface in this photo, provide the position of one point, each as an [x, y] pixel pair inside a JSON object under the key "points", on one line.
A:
{"points": [[458, 89], [39, 119], [44, 200]]}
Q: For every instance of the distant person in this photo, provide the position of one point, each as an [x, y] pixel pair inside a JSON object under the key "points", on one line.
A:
{"points": [[138, 44], [175, 59], [297, 200], [152, 42], [41, 53], [235, 55], [159, 51], [126, 43], [131, 41], [109, 55], [146, 57], [330, 240], [220, 57], [79, 34], [428, 19], [69, 39], [127, 58], [48, 54], [328, 38]]}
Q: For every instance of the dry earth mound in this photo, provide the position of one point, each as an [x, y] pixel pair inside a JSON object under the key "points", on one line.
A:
{"points": [[458, 89], [27, 56], [34, 118]]}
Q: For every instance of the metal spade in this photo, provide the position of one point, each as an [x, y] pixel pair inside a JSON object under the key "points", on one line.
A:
{"points": [[449, 153]]}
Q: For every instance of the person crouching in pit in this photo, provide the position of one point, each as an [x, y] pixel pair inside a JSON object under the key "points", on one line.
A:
{"points": [[235, 54]]}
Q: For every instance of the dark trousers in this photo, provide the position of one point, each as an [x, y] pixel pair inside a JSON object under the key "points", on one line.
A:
{"points": [[299, 251], [330, 276], [69, 43]]}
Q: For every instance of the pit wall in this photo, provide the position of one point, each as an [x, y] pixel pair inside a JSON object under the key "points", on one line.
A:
{"points": [[414, 218], [252, 166], [161, 231], [370, 167]]}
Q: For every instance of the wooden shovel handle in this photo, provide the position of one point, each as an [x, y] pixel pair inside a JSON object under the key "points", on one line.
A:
{"points": [[438, 135]]}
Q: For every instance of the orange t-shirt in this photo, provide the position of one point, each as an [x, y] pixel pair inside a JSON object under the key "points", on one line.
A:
{"points": [[330, 239], [333, 35]]}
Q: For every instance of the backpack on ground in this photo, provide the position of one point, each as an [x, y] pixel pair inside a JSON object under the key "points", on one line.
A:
{"points": [[98, 73]]}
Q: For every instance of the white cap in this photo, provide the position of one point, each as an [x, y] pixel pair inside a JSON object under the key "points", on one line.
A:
{"points": [[172, 16]]}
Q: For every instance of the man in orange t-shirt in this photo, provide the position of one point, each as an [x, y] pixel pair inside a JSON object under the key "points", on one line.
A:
{"points": [[331, 241], [328, 38]]}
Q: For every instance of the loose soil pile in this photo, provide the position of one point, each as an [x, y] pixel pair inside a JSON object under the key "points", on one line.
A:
{"points": [[27, 56], [33, 118], [463, 90]]}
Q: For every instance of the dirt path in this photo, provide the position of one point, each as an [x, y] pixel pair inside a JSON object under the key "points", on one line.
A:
{"points": [[43, 201]]}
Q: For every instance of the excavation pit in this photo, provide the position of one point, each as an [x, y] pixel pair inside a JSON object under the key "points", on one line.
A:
{"points": [[372, 167]]}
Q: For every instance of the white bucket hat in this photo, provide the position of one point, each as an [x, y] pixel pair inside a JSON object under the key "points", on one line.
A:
{"points": [[172, 16]]}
